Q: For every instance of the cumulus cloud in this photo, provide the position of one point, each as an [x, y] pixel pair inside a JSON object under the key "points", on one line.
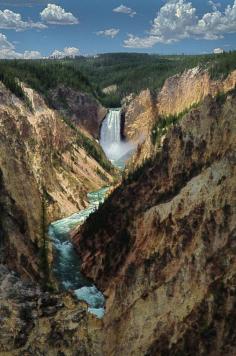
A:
{"points": [[67, 52], [218, 51], [177, 20], [122, 9], [54, 14], [111, 32], [12, 20], [215, 5], [7, 51], [32, 55], [139, 42]]}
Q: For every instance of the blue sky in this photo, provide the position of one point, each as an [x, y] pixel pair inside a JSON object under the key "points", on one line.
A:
{"points": [[35, 28]]}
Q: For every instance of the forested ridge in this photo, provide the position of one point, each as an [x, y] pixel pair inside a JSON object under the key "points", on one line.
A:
{"points": [[130, 72]]}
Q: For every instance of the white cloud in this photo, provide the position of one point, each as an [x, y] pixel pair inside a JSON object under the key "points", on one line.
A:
{"points": [[54, 14], [4, 43], [139, 42], [218, 51], [178, 20], [12, 20], [215, 5], [32, 55], [111, 32], [7, 51], [67, 52], [125, 10]]}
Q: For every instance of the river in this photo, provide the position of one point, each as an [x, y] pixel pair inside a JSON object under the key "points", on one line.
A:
{"points": [[66, 263]]}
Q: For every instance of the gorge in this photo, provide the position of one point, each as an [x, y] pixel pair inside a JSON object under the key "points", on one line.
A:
{"points": [[66, 260], [117, 225]]}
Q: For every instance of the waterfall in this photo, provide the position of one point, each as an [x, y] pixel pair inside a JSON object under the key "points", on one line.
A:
{"points": [[110, 131], [110, 138]]}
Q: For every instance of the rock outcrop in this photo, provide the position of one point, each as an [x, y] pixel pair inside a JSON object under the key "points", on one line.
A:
{"points": [[138, 112], [41, 323], [110, 90], [167, 265], [82, 109], [179, 93], [42, 166]]}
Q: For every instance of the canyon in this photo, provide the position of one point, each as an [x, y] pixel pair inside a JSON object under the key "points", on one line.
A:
{"points": [[169, 270], [158, 244], [40, 158]]}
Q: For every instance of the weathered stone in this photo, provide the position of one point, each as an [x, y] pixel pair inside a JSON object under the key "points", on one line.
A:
{"points": [[170, 278]]}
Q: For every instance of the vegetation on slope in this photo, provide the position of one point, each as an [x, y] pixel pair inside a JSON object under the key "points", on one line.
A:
{"points": [[42, 76], [162, 124], [93, 149], [133, 72], [11, 82]]}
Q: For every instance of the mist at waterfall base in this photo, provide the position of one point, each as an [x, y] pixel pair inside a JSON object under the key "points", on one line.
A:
{"points": [[66, 262], [117, 151]]}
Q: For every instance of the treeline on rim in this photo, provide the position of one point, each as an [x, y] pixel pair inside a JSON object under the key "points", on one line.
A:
{"points": [[42, 75], [133, 72]]}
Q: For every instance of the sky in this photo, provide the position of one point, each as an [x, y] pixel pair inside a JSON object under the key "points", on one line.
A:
{"points": [[38, 28]]}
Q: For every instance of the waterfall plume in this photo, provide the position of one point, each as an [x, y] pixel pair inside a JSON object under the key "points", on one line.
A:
{"points": [[110, 139]]}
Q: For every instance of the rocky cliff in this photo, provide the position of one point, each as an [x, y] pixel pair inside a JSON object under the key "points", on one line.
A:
{"points": [[82, 109], [45, 174], [41, 323], [138, 112], [167, 265], [179, 93], [183, 90]]}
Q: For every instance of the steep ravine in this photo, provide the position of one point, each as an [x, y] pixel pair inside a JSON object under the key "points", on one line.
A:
{"points": [[42, 167], [167, 265], [46, 171], [161, 248]]}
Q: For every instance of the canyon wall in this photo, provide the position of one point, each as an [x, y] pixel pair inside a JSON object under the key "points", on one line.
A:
{"points": [[162, 247], [178, 93], [41, 323], [138, 112], [42, 167], [83, 109]]}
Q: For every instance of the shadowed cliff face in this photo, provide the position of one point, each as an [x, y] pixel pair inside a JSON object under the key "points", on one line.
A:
{"points": [[39, 323], [40, 163], [162, 247], [82, 109]]}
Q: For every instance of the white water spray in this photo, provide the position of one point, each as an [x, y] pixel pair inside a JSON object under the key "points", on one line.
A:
{"points": [[110, 139]]}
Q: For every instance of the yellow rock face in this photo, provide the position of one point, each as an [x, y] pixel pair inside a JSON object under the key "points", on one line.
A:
{"points": [[139, 111], [182, 91], [168, 264], [39, 156], [179, 93]]}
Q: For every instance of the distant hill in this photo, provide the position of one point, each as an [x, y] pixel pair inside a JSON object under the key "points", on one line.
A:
{"points": [[130, 72], [133, 72]]}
